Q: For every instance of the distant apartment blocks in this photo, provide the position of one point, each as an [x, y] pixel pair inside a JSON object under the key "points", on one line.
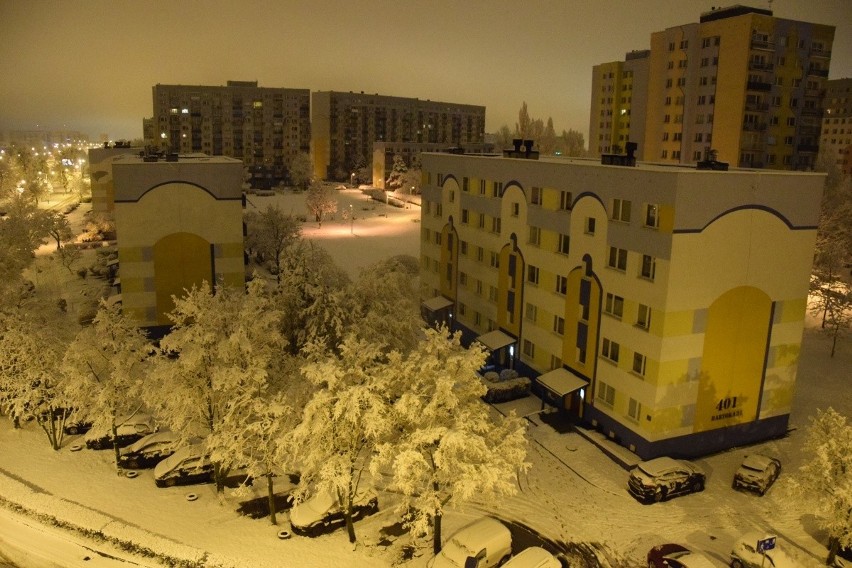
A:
{"points": [[662, 305], [836, 140], [740, 81], [345, 125], [262, 126]]}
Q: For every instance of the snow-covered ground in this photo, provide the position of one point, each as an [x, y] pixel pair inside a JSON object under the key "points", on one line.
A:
{"points": [[572, 493]]}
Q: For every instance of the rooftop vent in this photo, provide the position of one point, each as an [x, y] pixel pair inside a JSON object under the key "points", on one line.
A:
{"points": [[521, 149], [621, 159], [711, 163]]}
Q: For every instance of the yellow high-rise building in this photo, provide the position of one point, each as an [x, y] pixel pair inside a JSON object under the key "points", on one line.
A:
{"points": [[662, 305], [741, 82]]}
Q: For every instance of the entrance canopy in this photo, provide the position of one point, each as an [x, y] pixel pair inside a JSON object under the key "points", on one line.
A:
{"points": [[495, 340], [561, 382], [437, 303]]}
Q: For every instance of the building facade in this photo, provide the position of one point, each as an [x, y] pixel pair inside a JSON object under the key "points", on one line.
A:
{"points": [[178, 224], [664, 306], [836, 141], [100, 174], [345, 126], [741, 82], [265, 127], [619, 102], [384, 153]]}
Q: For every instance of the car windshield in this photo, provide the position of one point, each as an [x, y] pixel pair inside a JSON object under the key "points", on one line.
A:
{"points": [[321, 502]]}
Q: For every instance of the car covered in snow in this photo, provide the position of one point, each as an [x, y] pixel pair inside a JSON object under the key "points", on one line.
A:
{"points": [[534, 557], [747, 554], [661, 478], [757, 473], [676, 556], [128, 429], [147, 451], [483, 543], [189, 464], [323, 513]]}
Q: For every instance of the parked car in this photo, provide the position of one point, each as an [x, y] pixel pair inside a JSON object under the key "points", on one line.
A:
{"points": [[757, 473], [189, 464], [746, 555], [483, 543], [322, 512], [129, 429], [664, 477], [147, 451], [534, 557], [676, 556]]}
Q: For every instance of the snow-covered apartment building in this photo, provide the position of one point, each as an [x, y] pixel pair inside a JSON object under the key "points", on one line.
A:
{"points": [[179, 223], [663, 305]]}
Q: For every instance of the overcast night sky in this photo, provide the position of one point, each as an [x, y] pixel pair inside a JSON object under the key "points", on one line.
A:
{"points": [[89, 65]]}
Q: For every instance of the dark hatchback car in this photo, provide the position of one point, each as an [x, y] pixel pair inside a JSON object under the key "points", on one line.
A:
{"points": [[757, 473], [128, 430], [148, 451], [661, 478], [186, 466], [676, 556]]}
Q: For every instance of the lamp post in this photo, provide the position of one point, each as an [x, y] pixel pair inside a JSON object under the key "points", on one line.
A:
{"points": [[351, 221]]}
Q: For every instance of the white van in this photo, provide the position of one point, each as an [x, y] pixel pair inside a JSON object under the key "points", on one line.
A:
{"points": [[483, 543]]}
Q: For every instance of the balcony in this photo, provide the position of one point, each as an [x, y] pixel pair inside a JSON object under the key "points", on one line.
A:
{"points": [[820, 53], [752, 127], [757, 107], [814, 72], [811, 112], [758, 86], [815, 93], [757, 43], [760, 66], [807, 148]]}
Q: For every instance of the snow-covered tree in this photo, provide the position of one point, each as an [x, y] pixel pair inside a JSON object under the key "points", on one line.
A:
{"points": [[22, 231], [346, 418], [270, 232], [826, 478], [320, 201], [29, 384], [448, 445], [385, 304], [312, 298], [103, 370], [59, 228], [214, 364], [301, 170], [396, 178]]}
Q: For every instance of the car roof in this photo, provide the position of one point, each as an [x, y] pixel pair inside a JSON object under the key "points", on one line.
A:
{"points": [[757, 461], [660, 465], [531, 557], [156, 437], [483, 528], [694, 560]]}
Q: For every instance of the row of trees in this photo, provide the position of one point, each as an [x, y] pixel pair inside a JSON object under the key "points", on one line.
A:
{"points": [[317, 374], [569, 143]]}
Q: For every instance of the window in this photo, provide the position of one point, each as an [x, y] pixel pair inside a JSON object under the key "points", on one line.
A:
{"points": [[463, 278], [565, 200], [465, 217], [516, 209], [678, 136], [614, 305], [481, 223], [699, 137], [482, 187], [555, 362], [561, 285], [791, 121], [590, 225], [564, 243], [497, 189], [606, 393], [437, 238], [532, 274], [643, 318], [668, 83], [652, 215], [439, 209], [463, 247], [529, 348], [535, 236], [480, 254], [664, 154], [559, 325], [531, 312], [639, 364], [465, 184], [492, 293], [621, 210], [495, 260], [452, 197], [535, 196], [610, 350], [617, 258], [649, 267], [665, 136], [634, 409], [495, 225]]}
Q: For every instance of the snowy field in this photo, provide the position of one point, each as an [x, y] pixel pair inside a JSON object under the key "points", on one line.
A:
{"points": [[573, 492]]}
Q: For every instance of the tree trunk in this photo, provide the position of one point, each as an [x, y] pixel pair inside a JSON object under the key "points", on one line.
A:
{"points": [[217, 477], [350, 526], [271, 496], [833, 545], [834, 339], [436, 543], [115, 447]]}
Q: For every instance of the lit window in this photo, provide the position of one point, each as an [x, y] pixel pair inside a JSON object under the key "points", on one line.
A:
{"points": [[652, 218]]}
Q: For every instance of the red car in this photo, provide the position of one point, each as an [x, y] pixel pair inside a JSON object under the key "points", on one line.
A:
{"points": [[676, 556]]}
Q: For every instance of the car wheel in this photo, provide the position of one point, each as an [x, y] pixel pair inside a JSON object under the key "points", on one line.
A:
{"points": [[170, 482], [698, 486], [735, 563], [659, 495], [72, 430]]}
